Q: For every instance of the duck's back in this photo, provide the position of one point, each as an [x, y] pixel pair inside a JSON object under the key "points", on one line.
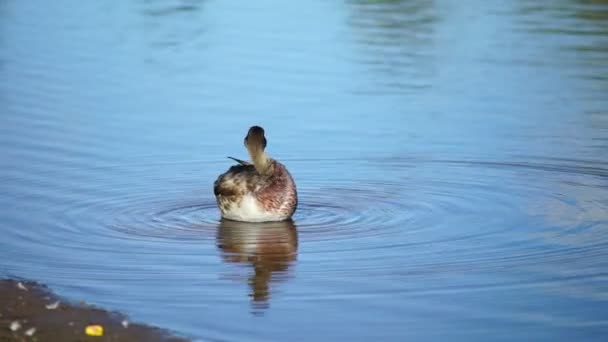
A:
{"points": [[238, 180], [243, 194]]}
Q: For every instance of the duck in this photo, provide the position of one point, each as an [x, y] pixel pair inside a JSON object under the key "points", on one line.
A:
{"points": [[262, 190]]}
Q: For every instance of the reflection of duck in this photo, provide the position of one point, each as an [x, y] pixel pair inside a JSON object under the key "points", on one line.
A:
{"points": [[269, 247], [259, 192]]}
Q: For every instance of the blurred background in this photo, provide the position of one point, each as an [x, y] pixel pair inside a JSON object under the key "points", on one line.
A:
{"points": [[451, 161]]}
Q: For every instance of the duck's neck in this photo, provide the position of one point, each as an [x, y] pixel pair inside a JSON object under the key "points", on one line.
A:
{"points": [[261, 161]]}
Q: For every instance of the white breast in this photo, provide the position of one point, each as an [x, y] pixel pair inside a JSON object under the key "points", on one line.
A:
{"points": [[249, 210]]}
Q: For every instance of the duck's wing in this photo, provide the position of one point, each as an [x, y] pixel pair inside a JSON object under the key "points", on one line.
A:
{"points": [[236, 180], [242, 162]]}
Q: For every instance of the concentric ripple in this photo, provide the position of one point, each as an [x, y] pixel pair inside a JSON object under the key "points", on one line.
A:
{"points": [[420, 210]]}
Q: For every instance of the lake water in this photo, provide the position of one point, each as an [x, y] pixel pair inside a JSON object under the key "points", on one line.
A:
{"points": [[451, 161]]}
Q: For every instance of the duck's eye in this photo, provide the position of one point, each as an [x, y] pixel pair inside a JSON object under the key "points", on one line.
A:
{"points": [[264, 142]]}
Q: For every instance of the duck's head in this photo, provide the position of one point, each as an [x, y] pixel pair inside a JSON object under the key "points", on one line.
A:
{"points": [[255, 139], [255, 142]]}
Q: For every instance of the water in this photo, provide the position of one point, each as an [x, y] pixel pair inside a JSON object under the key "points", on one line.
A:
{"points": [[451, 162]]}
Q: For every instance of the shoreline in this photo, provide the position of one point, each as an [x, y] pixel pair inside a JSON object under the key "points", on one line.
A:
{"points": [[30, 311]]}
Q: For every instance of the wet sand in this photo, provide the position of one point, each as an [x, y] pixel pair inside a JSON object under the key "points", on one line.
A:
{"points": [[40, 318]]}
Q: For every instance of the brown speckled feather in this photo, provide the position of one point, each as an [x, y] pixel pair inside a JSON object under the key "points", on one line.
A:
{"points": [[276, 192]]}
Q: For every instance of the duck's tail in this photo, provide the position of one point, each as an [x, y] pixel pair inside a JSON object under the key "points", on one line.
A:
{"points": [[242, 162]]}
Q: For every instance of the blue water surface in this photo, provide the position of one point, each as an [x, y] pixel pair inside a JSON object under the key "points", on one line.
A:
{"points": [[451, 160]]}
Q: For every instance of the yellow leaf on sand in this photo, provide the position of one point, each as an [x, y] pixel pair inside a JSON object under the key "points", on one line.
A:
{"points": [[94, 330]]}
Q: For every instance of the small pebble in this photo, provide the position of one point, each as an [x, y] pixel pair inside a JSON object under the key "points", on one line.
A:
{"points": [[15, 325], [71, 324], [53, 306], [30, 331], [125, 323], [94, 330], [21, 286]]}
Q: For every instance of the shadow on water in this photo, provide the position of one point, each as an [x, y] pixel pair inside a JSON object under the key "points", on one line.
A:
{"points": [[169, 8], [580, 28], [395, 37], [172, 25], [268, 248], [578, 32]]}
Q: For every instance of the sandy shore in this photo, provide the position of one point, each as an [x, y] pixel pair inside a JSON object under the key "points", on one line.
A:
{"points": [[30, 312]]}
